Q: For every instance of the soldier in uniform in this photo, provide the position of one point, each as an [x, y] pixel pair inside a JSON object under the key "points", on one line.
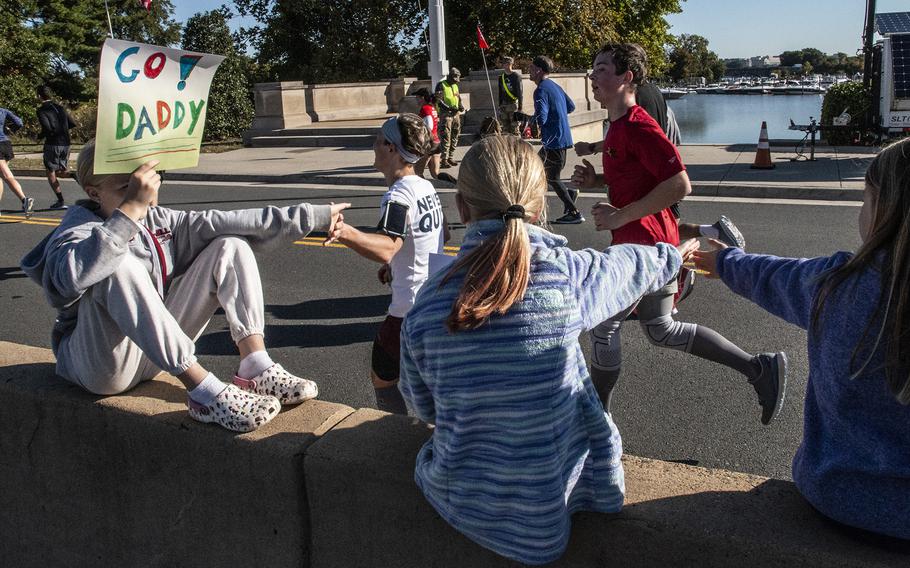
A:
{"points": [[448, 104], [509, 96]]}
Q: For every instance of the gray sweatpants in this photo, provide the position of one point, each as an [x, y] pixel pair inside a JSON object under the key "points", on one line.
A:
{"points": [[126, 333]]}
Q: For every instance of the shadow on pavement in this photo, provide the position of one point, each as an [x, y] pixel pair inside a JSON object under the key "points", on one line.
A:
{"points": [[333, 308]]}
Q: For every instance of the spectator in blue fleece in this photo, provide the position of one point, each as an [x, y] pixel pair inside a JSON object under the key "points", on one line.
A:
{"points": [[853, 464], [490, 354]]}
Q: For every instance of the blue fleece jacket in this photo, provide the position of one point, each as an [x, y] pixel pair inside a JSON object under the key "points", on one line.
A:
{"points": [[551, 110], [6, 114], [853, 464]]}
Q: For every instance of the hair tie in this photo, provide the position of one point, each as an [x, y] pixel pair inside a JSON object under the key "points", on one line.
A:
{"points": [[513, 212]]}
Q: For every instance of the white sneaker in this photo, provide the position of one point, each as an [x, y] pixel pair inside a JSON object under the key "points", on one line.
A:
{"points": [[236, 410], [276, 381]]}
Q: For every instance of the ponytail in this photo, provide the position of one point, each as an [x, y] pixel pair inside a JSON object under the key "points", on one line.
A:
{"points": [[497, 277]]}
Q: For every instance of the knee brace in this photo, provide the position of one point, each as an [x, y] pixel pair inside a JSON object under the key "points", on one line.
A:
{"points": [[664, 331], [607, 346]]}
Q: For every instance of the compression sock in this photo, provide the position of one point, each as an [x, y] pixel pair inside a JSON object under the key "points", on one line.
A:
{"points": [[605, 382], [710, 345], [254, 364], [206, 391], [389, 399]]}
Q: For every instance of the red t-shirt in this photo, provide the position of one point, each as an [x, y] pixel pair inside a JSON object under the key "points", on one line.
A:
{"points": [[637, 157], [430, 110]]}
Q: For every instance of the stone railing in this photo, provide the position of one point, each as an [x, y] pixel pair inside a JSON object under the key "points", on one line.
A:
{"points": [[130, 480]]}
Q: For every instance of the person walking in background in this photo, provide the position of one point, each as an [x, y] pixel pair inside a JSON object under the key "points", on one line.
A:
{"points": [[448, 103], [10, 122], [645, 176], [430, 118], [411, 227], [56, 123], [134, 284], [551, 110], [490, 355], [510, 95], [853, 464]]}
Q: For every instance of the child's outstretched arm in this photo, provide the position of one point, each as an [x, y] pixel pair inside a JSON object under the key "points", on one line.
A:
{"points": [[608, 282], [785, 287]]}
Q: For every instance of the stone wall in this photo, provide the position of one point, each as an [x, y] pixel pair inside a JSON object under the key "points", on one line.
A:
{"points": [[130, 480]]}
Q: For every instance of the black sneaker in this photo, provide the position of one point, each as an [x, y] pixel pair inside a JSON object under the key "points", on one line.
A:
{"points": [[729, 234], [771, 385], [58, 204], [570, 219]]}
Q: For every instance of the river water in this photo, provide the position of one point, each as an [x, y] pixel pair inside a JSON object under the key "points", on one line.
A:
{"points": [[731, 119]]}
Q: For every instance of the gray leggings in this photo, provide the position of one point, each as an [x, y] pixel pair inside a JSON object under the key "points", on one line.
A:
{"points": [[655, 315], [126, 333]]}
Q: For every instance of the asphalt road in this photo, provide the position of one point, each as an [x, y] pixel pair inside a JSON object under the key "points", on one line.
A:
{"points": [[323, 306]]}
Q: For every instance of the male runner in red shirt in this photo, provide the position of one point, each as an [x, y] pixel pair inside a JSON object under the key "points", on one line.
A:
{"points": [[645, 176]]}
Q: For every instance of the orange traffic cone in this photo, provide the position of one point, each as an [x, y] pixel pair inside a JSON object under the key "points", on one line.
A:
{"points": [[763, 152]]}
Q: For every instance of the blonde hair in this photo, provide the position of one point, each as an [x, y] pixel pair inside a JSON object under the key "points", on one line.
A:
{"points": [[497, 173], [85, 167]]}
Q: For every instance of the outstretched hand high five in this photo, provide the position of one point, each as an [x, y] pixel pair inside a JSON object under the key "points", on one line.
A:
{"points": [[706, 260], [337, 224]]}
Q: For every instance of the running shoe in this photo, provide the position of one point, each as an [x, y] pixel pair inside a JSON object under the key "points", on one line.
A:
{"points": [[236, 410], [28, 205], [58, 204], [570, 219], [277, 382], [686, 283], [729, 234], [771, 384]]}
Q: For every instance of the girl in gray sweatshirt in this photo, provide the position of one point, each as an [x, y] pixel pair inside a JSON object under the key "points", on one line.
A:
{"points": [[135, 284]]}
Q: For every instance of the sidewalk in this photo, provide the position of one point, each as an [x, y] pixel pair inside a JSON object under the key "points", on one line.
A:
{"points": [[715, 170]]}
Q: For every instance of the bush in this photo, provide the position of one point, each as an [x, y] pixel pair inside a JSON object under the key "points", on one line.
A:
{"points": [[855, 100], [230, 108]]}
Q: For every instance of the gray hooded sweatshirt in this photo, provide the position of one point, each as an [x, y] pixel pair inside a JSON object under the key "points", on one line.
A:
{"points": [[85, 249]]}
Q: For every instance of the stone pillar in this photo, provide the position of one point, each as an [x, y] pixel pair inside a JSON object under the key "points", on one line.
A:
{"points": [[280, 105]]}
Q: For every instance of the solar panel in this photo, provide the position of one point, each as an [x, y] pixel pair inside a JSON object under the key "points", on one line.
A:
{"points": [[900, 65], [892, 23]]}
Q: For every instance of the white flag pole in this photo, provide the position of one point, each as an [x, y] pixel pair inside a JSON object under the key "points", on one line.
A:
{"points": [[489, 83], [110, 28]]}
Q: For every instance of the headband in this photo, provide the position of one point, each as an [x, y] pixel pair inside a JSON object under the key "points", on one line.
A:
{"points": [[392, 133]]}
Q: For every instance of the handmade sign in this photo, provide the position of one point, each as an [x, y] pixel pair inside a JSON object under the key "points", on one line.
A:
{"points": [[151, 106]]}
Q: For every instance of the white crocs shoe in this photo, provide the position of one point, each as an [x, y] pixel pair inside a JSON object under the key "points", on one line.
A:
{"points": [[236, 410], [277, 382]]}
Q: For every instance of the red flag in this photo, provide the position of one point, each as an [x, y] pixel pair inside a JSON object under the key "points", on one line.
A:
{"points": [[481, 43], [147, 4]]}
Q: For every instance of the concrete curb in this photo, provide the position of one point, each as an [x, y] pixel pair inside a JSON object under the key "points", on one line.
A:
{"points": [[699, 188], [131, 480]]}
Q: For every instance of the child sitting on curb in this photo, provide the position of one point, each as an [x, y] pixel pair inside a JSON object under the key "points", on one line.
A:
{"points": [[135, 284], [853, 463]]}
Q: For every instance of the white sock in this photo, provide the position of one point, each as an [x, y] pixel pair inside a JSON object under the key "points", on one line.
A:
{"points": [[254, 364], [206, 391], [709, 231]]}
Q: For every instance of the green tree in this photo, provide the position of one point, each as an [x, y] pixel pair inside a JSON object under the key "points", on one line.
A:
{"points": [[690, 57], [569, 31], [23, 65], [334, 40], [230, 109], [71, 34]]}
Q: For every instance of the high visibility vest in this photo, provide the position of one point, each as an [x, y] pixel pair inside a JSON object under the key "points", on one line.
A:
{"points": [[449, 94], [505, 87]]}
